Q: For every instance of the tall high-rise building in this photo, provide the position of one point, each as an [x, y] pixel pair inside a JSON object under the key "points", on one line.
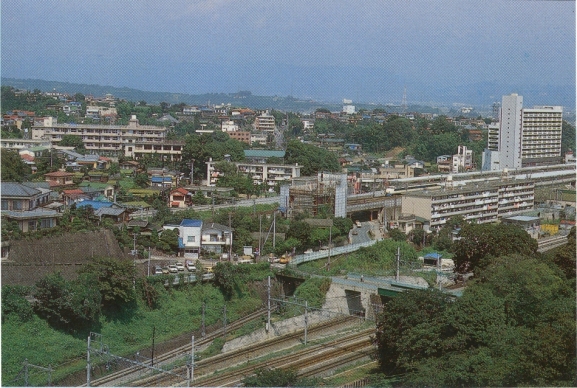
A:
{"points": [[524, 137]]}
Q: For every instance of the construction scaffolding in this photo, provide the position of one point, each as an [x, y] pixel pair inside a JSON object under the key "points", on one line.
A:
{"points": [[313, 194]]}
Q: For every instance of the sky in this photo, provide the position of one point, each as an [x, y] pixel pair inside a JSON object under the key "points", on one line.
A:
{"points": [[321, 49]]}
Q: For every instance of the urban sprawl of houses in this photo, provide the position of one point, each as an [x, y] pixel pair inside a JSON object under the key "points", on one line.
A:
{"points": [[523, 152]]}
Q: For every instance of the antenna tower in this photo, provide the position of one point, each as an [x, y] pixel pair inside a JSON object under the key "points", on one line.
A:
{"points": [[404, 102]]}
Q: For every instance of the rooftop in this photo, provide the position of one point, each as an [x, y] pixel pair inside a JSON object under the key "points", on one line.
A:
{"points": [[15, 189]]}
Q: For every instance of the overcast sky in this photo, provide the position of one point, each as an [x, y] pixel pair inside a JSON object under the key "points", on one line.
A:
{"points": [[308, 48]]}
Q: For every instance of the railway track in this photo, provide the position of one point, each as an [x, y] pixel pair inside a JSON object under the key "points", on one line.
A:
{"points": [[247, 355], [551, 243], [310, 361], [117, 378]]}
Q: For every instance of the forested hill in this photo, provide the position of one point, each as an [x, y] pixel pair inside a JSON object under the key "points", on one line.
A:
{"points": [[241, 98]]}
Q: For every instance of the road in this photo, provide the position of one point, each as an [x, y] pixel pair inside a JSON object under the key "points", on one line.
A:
{"points": [[239, 203]]}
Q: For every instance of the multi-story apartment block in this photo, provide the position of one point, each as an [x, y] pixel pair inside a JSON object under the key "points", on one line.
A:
{"points": [[480, 202], [541, 138], [524, 137], [167, 150], [269, 174], [102, 139], [242, 136], [265, 123]]}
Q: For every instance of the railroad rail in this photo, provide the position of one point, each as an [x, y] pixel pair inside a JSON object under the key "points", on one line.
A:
{"points": [[117, 378], [310, 361], [203, 369], [551, 243]]}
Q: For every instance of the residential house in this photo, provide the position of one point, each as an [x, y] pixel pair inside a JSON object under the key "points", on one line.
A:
{"points": [[194, 237], [179, 197], [22, 204], [189, 237], [216, 238], [59, 178]]}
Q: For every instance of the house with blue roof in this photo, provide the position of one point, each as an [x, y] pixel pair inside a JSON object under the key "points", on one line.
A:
{"points": [[194, 237]]}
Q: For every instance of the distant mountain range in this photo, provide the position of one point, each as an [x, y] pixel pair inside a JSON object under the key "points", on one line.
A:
{"points": [[478, 95]]}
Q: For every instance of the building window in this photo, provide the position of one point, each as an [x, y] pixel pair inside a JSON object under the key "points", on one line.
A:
{"points": [[31, 226], [190, 239], [4, 204]]}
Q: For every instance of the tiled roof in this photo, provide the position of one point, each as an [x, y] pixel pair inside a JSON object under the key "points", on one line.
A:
{"points": [[263, 154], [95, 204], [181, 190], [37, 213], [14, 189], [59, 174], [191, 223], [109, 211], [214, 225]]}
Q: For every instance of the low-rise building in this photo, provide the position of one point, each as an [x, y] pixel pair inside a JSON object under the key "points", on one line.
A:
{"points": [[23, 204], [59, 178], [261, 173]]}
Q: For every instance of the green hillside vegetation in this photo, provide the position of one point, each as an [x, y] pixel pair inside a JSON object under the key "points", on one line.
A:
{"points": [[127, 326], [513, 326]]}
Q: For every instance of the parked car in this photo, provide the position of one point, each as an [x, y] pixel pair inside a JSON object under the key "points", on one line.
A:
{"points": [[179, 266], [355, 232], [157, 270], [172, 268], [165, 270], [190, 266]]}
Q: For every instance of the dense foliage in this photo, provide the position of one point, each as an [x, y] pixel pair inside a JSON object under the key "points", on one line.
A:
{"points": [[115, 279], [482, 241], [312, 159], [515, 325], [265, 377], [13, 167]]}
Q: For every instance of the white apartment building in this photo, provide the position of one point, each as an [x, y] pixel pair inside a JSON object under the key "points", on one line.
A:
{"points": [[102, 139], [481, 202], [264, 122], [229, 126], [269, 174], [525, 136], [462, 160], [541, 136]]}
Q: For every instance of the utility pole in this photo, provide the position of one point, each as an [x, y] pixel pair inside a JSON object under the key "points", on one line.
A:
{"points": [[153, 334], [203, 332], [330, 243], [398, 263], [224, 320], [274, 229], [230, 237], [306, 320], [268, 305], [148, 261], [88, 364], [260, 235], [191, 362]]}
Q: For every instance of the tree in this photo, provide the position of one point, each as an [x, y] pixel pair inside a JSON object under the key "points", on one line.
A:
{"points": [[397, 235], [567, 138], [514, 325], [13, 168], [265, 377], [168, 241], [73, 141], [482, 241], [565, 257], [65, 304], [115, 280], [312, 159]]}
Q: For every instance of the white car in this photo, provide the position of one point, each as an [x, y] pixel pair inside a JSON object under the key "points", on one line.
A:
{"points": [[172, 268], [179, 266]]}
